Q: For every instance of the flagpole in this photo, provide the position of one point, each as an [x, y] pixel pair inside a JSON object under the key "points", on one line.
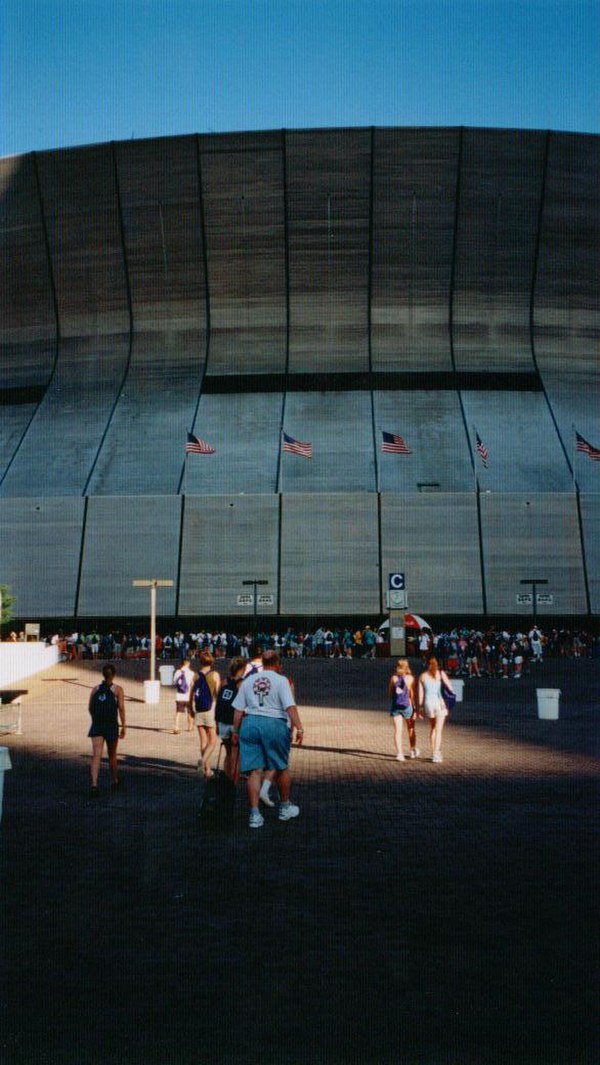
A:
{"points": [[281, 461]]}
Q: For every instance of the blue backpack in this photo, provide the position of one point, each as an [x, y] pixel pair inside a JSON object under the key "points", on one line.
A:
{"points": [[202, 694]]}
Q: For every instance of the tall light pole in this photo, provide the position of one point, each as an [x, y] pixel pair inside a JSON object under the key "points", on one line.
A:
{"points": [[152, 584], [255, 582], [534, 581]]}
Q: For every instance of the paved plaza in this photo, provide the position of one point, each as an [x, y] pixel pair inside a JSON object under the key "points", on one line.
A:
{"points": [[414, 914]]}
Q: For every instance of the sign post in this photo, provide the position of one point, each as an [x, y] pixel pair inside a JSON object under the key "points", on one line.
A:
{"points": [[534, 581], [255, 582], [396, 603], [152, 686]]}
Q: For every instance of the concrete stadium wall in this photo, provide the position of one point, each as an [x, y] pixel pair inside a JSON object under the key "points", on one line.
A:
{"points": [[415, 177], [329, 554], [126, 539], [227, 540], [321, 552], [433, 539], [544, 542], [334, 283], [40, 547]]}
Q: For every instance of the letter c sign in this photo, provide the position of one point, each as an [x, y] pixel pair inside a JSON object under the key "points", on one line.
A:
{"points": [[396, 582]]}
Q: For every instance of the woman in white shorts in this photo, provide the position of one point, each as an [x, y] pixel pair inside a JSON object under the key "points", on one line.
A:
{"points": [[433, 706]]}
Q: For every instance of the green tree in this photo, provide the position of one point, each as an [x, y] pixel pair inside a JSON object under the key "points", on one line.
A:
{"points": [[7, 600]]}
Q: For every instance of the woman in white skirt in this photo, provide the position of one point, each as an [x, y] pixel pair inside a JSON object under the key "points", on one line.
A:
{"points": [[433, 706]]}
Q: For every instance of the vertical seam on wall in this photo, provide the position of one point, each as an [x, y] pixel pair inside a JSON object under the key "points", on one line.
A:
{"points": [[481, 553], [130, 310], [454, 246], [538, 241], [286, 239], [179, 553], [588, 600], [369, 297], [81, 552], [279, 544], [453, 359], [56, 315], [370, 265], [206, 300], [380, 552]]}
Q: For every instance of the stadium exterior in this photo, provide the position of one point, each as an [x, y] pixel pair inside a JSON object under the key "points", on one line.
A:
{"points": [[335, 284]]}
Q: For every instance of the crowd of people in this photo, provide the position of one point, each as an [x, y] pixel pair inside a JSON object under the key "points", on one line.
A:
{"points": [[253, 712], [461, 651]]}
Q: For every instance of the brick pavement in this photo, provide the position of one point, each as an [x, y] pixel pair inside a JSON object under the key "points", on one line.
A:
{"points": [[415, 913]]}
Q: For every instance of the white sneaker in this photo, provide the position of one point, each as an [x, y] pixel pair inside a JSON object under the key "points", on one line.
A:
{"points": [[414, 752], [287, 810], [399, 757], [437, 758], [264, 793], [256, 819]]}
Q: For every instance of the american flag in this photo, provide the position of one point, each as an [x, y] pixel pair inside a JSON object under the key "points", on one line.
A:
{"points": [[588, 449], [297, 447], [195, 446], [482, 451], [394, 445]]}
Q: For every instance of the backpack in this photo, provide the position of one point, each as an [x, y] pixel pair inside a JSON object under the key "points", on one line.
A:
{"points": [[104, 700], [181, 684], [202, 695], [401, 694]]}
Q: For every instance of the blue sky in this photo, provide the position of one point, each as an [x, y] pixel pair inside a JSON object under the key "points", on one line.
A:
{"points": [[83, 71]]}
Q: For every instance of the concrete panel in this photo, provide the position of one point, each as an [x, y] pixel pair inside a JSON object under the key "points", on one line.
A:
{"points": [[590, 523], [226, 540], [415, 173], [27, 319], [431, 425], [329, 554], [575, 400], [59, 449], [244, 430], [532, 535], [567, 290], [328, 179], [525, 454], [80, 203], [339, 426], [129, 539], [40, 542], [500, 189], [159, 187], [244, 211], [433, 539], [14, 421]]}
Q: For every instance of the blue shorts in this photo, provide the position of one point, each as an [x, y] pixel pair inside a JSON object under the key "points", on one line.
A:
{"points": [[264, 743]]}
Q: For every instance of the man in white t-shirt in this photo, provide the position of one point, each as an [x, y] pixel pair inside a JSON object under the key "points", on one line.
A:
{"points": [[184, 679], [264, 710]]}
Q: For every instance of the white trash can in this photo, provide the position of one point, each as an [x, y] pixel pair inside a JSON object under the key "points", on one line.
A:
{"points": [[4, 765], [459, 687], [547, 703], [152, 692], [166, 675]]}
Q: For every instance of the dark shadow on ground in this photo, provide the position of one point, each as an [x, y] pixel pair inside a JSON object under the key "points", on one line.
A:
{"points": [[413, 920]]}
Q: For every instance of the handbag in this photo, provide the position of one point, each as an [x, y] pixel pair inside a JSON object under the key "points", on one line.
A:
{"points": [[448, 696]]}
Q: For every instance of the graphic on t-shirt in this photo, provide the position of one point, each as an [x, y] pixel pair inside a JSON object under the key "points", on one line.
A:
{"points": [[261, 688]]}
